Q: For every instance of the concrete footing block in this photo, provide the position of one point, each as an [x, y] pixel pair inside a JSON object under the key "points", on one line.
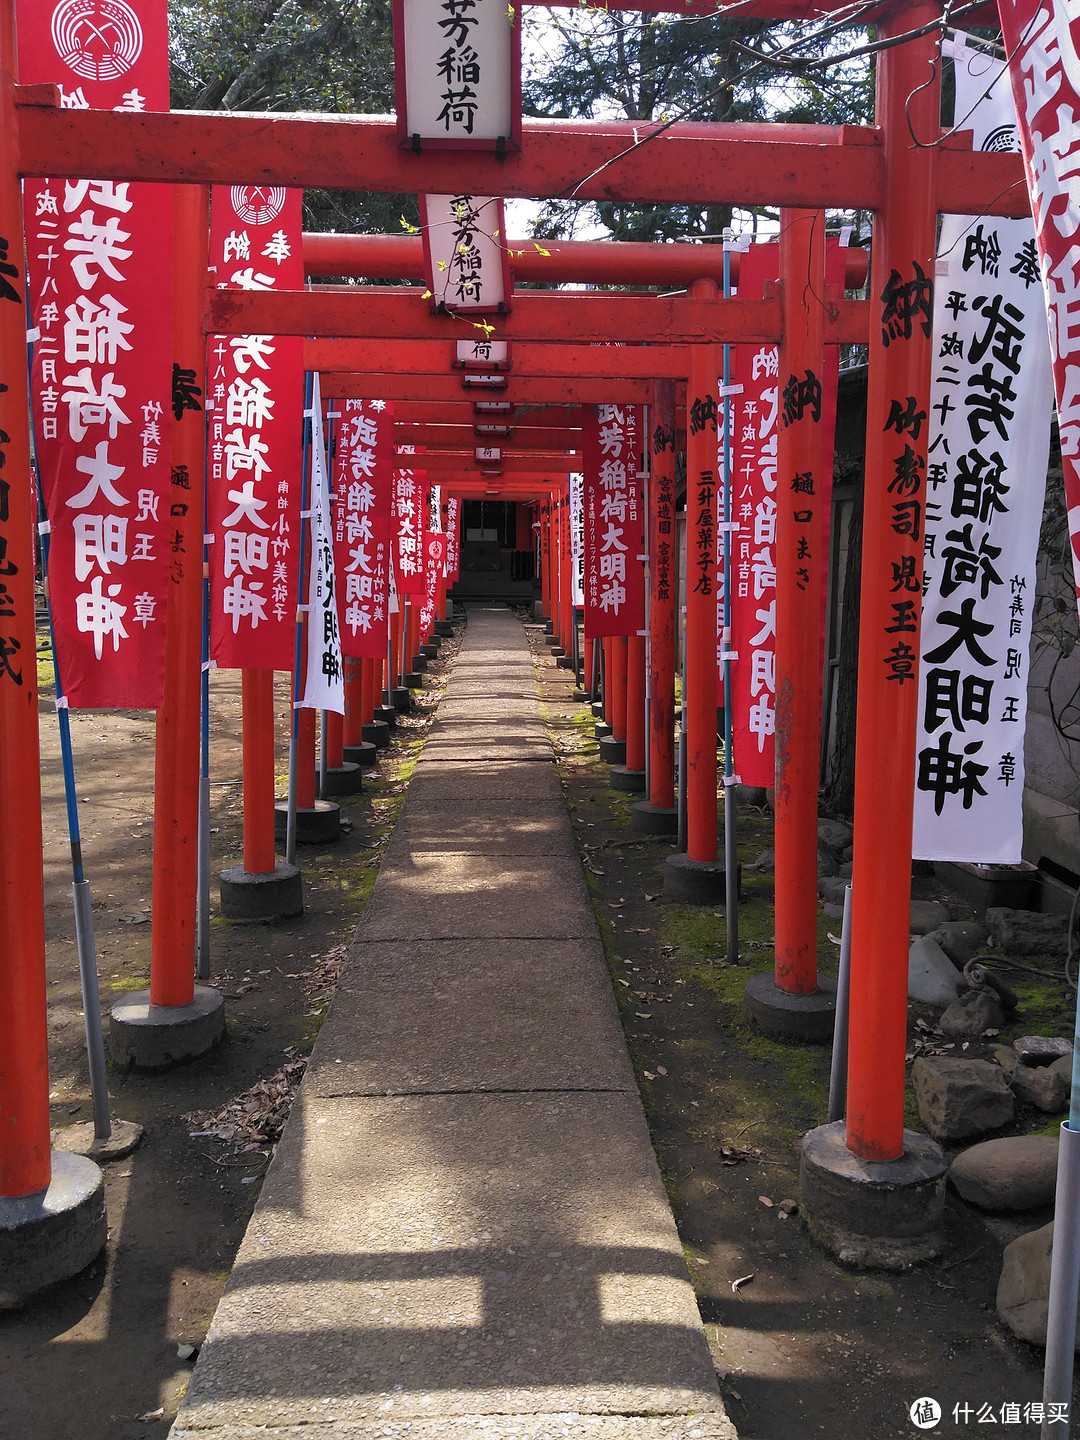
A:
{"points": [[696, 882], [882, 1214], [783, 1015], [399, 700], [54, 1233], [598, 709], [419, 663], [414, 680], [564, 661], [621, 777], [649, 819], [612, 751], [601, 729], [430, 650], [549, 628], [366, 753], [376, 733], [157, 1037], [444, 627], [273, 895], [385, 715], [319, 824], [345, 779], [123, 1138]]}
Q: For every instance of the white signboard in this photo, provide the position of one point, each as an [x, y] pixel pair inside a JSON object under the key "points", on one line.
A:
{"points": [[458, 69], [463, 247], [324, 687], [989, 439]]}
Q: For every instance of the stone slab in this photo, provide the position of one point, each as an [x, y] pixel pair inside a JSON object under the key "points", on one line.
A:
{"points": [[447, 1016], [702, 1426], [450, 894], [504, 827], [452, 1255], [447, 750], [484, 780]]}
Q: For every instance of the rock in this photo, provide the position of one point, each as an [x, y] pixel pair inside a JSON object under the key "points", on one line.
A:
{"points": [[832, 887], [1023, 1293], [1044, 1087], [1017, 1172], [835, 834], [788, 1207], [751, 795], [849, 852], [958, 1098], [1063, 1067], [1025, 932], [765, 861], [1041, 1049], [971, 1013], [960, 939], [927, 915], [932, 977], [827, 863], [1005, 1056], [845, 869], [834, 911]]}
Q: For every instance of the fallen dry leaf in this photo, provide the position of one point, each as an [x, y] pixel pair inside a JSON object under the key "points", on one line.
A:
{"points": [[660, 1070], [766, 1201]]}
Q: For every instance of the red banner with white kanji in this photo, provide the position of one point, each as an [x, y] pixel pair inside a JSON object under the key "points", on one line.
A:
{"points": [[363, 469], [253, 473], [434, 560], [453, 538], [102, 372], [614, 520], [409, 498]]}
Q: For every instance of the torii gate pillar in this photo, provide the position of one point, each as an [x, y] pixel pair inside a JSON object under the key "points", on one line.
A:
{"points": [[871, 1191]]}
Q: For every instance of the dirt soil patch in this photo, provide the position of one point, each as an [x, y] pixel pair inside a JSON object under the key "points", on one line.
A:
{"points": [[801, 1345]]}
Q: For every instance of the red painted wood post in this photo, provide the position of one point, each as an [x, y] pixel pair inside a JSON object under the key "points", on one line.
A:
{"points": [[799, 564], [176, 778], [395, 680], [305, 759], [662, 599], [702, 387], [25, 1163], [545, 559], [901, 287], [554, 567], [635, 702], [352, 727], [412, 631], [566, 594], [605, 649], [372, 674], [335, 740], [617, 679], [257, 703]]}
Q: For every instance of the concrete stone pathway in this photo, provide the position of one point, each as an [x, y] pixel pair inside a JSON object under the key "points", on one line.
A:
{"points": [[464, 1231]]}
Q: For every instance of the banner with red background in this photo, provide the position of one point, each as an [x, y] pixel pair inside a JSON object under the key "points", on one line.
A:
{"points": [[102, 370], [363, 469], [253, 473], [612, 437], [409, 500]]}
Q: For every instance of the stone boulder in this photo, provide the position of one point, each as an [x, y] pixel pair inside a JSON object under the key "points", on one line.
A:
{"points": [[960, 939], [971, 1013], [1023, 1293], [831, 887], [1017, 1172], [1043, 1087], [1025, 932], [827, 861], [1005, 1056], [932, 977], [765, 861], [835, 834], [958, 1098], [1042, 1049], [927, 915]]}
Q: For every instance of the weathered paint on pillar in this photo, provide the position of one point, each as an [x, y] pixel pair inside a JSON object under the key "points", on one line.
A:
{"points": [[662, 598], [898, 400], [352, 731], [703, 380], [257, 704], [25, 1164], [635, 702], [799, 561], [617, 679], [305, 779], [176, 776]]}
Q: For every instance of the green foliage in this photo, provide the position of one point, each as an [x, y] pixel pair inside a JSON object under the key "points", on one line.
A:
{"points": [[330, 56], [596, 64]]}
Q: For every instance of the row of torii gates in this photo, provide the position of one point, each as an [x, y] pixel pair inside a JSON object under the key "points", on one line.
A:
{"points": [[569, 349]]}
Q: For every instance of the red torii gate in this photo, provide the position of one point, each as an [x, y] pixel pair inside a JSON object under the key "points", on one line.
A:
{"points": [[876, 168]]}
